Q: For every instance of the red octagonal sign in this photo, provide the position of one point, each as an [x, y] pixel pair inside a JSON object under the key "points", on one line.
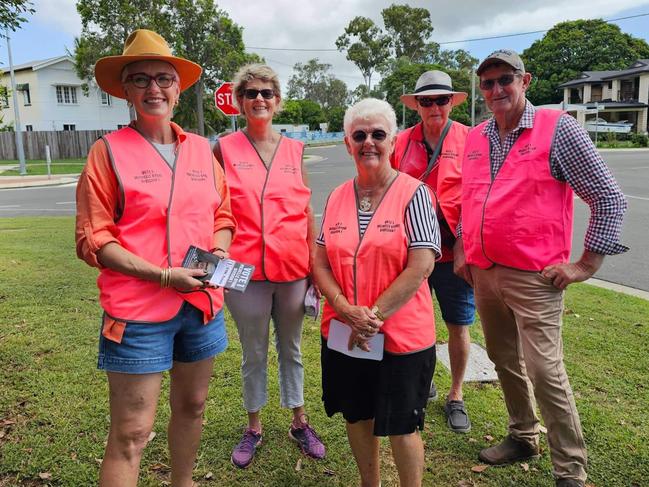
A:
{"points": [[224, 99]]}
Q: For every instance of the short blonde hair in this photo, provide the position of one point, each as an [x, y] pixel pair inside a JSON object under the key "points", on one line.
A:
{"points": [[367, 108], [258, 71]]}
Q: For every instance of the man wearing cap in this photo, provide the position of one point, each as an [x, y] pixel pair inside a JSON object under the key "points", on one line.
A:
{"points": [[432, 152], [519, 172]]}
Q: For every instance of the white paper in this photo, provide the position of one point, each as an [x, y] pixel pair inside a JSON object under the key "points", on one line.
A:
{"points": [[338, 340]]}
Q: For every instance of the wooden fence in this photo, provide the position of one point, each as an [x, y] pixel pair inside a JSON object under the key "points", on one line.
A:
{"points": [[63, 144]]}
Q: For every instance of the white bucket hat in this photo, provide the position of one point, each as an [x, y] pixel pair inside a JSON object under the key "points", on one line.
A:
{"points": [[433, 83]]}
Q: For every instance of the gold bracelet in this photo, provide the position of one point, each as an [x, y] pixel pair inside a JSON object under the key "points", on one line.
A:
{"points": [[333, 303], [378, 313], [165, 277]]}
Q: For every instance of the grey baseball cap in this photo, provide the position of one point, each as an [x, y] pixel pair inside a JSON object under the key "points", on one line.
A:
{"points": [[506, 56]]}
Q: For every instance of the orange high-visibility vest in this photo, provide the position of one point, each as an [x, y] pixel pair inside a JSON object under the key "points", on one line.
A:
{"points": [[410, 156], [365, 267], [164, 211], [271, 207], [522, 218]]}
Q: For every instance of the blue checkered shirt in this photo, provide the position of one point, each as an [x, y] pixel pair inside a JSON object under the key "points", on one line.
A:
{"points": [[574, 159]]}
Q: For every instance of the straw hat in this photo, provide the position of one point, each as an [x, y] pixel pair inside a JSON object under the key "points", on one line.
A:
{"points": [[143, 45], [433, 83]]}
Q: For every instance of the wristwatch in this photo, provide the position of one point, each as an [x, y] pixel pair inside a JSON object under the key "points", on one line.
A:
{"points": [[378, 313]]}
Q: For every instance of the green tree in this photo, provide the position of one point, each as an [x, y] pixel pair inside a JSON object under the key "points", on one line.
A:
{"points": [[12, 14], [312, 114], [335, 116], [366, 46], [313, 81], [572, 47], [291, 113], [408, 29]]}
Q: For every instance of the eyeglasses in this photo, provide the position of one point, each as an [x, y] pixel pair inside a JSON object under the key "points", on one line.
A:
{"points": [[360, 136], [141, 80], [440, 101], [266, 93], [504, 80]]}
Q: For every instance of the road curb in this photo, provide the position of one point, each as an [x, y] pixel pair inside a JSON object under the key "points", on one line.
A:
{"points": [[612, 286]]}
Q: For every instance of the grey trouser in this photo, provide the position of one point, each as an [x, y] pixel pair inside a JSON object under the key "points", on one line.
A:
{"points": [[521, 314], [252, 311]]}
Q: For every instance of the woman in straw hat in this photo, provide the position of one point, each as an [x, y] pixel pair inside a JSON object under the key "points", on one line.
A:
{"points": [[270, 199], [148, 192], [432, 151]]}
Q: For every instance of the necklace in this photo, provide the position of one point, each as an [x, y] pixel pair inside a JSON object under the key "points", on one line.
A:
{"points": [[365, 195], [365, 204]]}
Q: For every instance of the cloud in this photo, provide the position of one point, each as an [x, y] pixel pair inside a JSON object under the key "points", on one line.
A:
{"points": [[61, 14]]}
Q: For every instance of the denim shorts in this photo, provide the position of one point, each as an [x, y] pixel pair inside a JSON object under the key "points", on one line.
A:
{"points": [[454, 295], [153, 347]]}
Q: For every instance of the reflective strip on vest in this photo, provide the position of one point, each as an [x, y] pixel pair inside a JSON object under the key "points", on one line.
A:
{"points": [[271, 208], [365, 267], [164, 212], [523, 217], [411, 157]]}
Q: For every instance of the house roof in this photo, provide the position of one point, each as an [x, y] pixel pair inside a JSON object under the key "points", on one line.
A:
{"points": [[40, 64], [588, 77]]}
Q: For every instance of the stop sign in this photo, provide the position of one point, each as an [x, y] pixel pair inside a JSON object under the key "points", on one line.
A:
{"points": [[224, 99]]}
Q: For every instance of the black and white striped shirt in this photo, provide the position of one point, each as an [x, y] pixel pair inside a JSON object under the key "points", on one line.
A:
{"points": [[422, 228]]}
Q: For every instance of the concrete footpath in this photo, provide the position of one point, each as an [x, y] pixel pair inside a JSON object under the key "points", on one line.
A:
{"points": [[12, 182]]}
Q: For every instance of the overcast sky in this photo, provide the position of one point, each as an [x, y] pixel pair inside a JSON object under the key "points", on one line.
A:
{"points": [[289, 24]]}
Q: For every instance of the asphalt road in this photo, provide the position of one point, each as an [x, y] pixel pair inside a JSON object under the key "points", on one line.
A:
{"points": [[333, 165]]}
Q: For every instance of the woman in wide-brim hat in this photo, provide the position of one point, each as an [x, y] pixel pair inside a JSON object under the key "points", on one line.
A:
{"points": [[432, 151], [148, 192]]}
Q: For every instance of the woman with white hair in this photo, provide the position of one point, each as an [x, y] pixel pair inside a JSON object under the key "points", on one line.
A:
{"points": [[377, 246]]}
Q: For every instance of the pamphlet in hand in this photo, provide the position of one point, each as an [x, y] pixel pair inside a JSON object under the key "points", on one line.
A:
{"points": [[338, 340], [226, 273]]}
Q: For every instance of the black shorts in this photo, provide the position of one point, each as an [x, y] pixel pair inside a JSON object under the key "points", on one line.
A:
{"points": [[393, 391]]}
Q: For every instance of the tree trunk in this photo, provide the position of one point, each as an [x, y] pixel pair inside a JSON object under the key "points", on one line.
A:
{"points": [[200, 117]]}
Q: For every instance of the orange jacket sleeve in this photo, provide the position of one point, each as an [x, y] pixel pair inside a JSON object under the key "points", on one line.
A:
{"points": [[98, 204]]}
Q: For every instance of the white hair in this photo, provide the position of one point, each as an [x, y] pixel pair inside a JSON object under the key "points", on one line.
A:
{"points": [[368, 108]]}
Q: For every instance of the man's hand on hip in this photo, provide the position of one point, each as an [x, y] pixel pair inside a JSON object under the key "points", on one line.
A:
{"points": [[562, 275]]}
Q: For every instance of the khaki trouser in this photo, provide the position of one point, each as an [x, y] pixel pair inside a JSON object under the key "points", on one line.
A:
{"points": [[521, 315]]}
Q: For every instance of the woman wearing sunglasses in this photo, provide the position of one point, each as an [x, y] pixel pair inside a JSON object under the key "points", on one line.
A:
{"points": [[432, 152], [148, 192], [377, 246], [270, 200]]}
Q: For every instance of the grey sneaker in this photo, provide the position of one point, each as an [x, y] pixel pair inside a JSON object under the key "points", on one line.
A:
{"points": [[456, 416], [244, 452], [509, 451], [432, 394]]}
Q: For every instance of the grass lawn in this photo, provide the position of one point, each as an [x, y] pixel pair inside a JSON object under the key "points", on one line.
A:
{"points": [[39, 167], [54, 414]]}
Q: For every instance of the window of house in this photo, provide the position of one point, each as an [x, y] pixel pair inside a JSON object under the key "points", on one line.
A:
{"points": [[121, 126], [66, 95], [4, 97], [610, 85], [106, 99], [69, 127], [24, 89], [29, 128]]}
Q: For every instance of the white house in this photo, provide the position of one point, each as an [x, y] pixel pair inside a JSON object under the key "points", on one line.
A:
{"points": [[50, 98], [621, 95]]}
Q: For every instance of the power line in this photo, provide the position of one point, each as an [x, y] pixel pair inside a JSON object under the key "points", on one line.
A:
{"points": [[503, 36]]}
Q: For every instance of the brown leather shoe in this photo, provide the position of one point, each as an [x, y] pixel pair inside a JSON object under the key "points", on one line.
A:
{"points": [[509, 451]]}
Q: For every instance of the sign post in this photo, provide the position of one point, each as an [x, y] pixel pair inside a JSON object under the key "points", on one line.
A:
{"points": [[224, 100]]}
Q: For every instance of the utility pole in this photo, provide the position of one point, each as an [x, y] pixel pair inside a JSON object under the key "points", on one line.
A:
{"points": [[403, 109], [472, 97], [17, 128]]}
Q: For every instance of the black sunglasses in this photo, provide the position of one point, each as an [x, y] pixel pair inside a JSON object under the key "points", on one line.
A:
{"points": [[266, 93], [427, 101], [361, 136], [504, 80], [142, 80]]}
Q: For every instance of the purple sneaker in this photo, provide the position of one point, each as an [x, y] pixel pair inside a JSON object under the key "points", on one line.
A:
{"points": [[308, 441], [244, 452]]}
